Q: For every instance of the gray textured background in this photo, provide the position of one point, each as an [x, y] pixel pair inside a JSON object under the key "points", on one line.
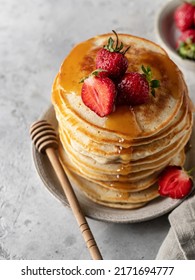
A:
{"points": [[35, 36]]}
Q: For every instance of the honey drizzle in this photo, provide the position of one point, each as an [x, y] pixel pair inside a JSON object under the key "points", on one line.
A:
{"points": [[77, 65], [123, 121]]}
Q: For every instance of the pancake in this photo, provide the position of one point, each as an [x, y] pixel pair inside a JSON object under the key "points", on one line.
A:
{"points": [[126, 185], [113, 164], [151, 163], [117, 198]]}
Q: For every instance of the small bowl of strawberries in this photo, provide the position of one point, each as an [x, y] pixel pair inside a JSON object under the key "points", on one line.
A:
{"points": [[175, 28]]}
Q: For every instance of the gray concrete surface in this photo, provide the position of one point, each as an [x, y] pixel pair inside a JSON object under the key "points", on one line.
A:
{"points": [[35, 36]]}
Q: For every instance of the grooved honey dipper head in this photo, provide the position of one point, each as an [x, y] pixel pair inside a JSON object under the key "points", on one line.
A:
{"points": [[43, 136]]}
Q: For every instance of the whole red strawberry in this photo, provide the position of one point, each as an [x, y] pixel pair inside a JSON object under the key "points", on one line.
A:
{"points": [[112, 59], [184, 16], [134, 88], [98, 94], [186, 44], [175, 182]]}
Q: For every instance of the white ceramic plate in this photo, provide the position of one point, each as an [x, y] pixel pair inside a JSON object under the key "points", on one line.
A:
{"points": [[156, 208], [167, 33]]}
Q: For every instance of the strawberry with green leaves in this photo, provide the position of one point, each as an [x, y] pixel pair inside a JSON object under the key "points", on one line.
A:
{"points": [[110, 85], [134, 88], [186, 44], [112, 59]]}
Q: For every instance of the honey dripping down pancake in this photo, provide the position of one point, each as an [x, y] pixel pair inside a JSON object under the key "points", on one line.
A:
{"points": [[116, 159]]}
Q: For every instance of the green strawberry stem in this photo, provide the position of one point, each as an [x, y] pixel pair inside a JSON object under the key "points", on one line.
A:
{"points": [[191, 2], [147, 72], [94, 73], [189, 172], [187, 49], [118, 49]]}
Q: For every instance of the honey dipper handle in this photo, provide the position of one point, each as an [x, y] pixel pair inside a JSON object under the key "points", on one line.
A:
{"points": [[74, 204]]}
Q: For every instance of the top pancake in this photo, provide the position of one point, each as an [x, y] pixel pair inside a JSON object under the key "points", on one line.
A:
{"points": [[139, 122]]}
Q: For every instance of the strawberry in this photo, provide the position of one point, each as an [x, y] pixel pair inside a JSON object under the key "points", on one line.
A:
{"points": [[134, 88], [186, 44], [98, 94], [188, 34], [184, 16], [175, 182], [194, 19], [112, 59]]}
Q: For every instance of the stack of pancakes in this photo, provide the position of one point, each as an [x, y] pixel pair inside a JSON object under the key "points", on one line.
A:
{"points": [[116, 160]]}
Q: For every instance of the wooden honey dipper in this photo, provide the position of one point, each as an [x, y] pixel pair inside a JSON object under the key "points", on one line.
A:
{"points": [[45, 140]]}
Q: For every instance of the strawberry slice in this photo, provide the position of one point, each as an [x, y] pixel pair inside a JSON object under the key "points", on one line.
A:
{"points": [[175, 182], [98, 94]]}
